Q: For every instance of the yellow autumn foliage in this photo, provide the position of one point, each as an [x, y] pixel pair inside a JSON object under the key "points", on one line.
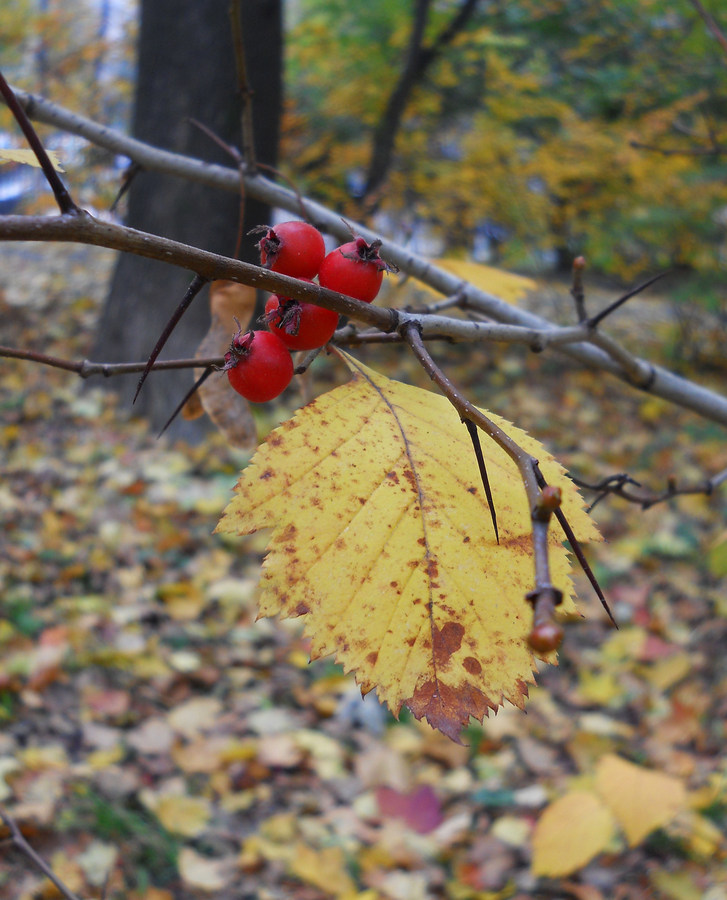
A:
{"points": [[383, 540]]}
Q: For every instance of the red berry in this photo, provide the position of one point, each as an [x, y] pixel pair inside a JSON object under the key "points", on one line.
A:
{"points": [[292, 248], [300, 325], [354, 269], [258, 365]]}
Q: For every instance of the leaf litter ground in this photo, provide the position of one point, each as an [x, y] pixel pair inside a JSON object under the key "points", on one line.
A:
{"points": [[158, 742]]}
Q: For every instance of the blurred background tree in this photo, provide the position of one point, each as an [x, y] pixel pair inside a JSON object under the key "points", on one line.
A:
{"points": [[520, 133], [541, 131], [187, 70]]}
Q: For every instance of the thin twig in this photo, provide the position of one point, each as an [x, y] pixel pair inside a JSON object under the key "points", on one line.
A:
{"points": [[617, 486], [86, 369], [235, 154], [24, 847], [63, 197], [714, 150], [579, 264], [711, 24], [243, 85], [663, 383]]}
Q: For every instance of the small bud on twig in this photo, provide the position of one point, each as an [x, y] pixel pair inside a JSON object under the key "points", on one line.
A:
{"points": [[547, 634], [549, 500]]}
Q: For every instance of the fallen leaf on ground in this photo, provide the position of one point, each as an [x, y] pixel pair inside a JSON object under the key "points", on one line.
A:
{"points": [[420, 809], [640, 799], [570, 832]]}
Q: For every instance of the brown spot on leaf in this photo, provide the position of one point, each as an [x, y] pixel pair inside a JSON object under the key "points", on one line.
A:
{"points": [[471, 490], [289, 532], [392, 476], [471, 665], [466, 540], [268, 473], [449, 708], [372, 657], [521, 542], [446, 641], [411, 478], [301, 609]]}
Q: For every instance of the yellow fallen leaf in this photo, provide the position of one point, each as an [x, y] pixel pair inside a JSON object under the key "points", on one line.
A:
{"points": [[383, 540], [666, 672], [676, 885], [701, 836], [324, 869], [183, 815], [506, 285], [28, 158], [640, 799], [570, 832]]}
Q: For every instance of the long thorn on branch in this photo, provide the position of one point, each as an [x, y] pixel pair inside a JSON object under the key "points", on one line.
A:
{"points": [[612, 307], [526, 464], [198, 282], [576, 547], [63, 197], [195, 387], [475, 438]]}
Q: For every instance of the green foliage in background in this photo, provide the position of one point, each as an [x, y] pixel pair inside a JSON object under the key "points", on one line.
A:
{"points": [[576, 128]]}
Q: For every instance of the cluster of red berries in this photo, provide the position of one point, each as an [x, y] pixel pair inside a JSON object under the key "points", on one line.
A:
{"points": [[258, 363]]}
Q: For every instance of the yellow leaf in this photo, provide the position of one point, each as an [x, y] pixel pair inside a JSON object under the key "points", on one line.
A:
{"points": [[506, 285], [677, 885], [324, 869], [28, 158], [570, 832], [183, 815], [641, 800], [383, 540]]}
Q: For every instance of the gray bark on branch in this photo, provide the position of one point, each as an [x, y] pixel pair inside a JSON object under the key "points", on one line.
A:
{"points": [[596, 350]]}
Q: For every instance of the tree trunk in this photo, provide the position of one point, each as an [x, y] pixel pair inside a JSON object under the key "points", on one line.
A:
{"points": [[186, 69]]}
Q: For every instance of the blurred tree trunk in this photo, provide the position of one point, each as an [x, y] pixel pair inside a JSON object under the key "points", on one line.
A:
{"points": [[186, 69]]}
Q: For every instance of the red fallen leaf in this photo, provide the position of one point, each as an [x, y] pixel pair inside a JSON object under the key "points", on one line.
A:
{"points": [[110, 703], [56, 636], [656, 648], [420, 809]]}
